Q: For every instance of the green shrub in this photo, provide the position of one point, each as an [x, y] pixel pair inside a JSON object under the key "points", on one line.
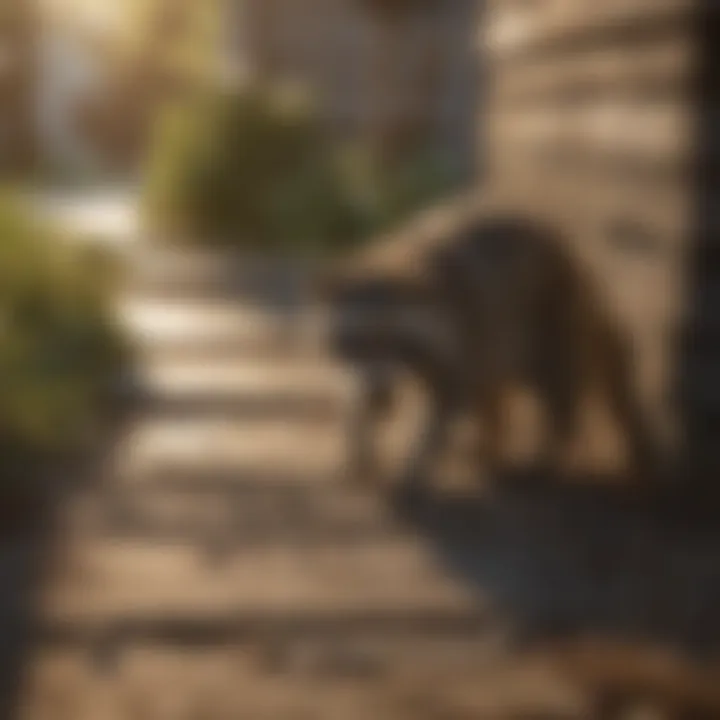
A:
{"points": [[388, 196], [59, 347], [256, 170], [248, 169]]}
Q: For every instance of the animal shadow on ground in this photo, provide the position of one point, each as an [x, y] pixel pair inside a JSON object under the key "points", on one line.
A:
{"points": [[618, 590], [583, 558]]}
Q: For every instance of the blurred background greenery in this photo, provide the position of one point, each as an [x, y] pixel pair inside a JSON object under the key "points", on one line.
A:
{"points": [[61, 349], [254, 132], [254, 169]]}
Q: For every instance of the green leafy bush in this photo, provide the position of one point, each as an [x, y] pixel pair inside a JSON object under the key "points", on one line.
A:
{"points": [[248, 169], [388, 196], [59, 346], [256, 170]]}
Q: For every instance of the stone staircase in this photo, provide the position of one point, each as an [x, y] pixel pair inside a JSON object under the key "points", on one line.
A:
{"points": [[222, 569]]}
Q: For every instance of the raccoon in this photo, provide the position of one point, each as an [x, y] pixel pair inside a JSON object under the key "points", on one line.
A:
{"points": [[477, 300]]}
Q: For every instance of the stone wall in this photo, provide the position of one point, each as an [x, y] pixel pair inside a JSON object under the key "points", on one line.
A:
{"points": [[593, 120]]}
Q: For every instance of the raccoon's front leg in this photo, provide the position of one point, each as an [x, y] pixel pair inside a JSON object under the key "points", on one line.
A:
{"points": [[443, 379], [373, 399], [429, 447]]}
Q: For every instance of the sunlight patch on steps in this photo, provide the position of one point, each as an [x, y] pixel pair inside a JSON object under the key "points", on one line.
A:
{"points": [[278, 446], [246, 379], [199, 321]]}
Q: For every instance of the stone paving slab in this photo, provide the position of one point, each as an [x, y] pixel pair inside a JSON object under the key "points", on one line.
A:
{"points": [[132, 578], [232, 684], [275, 446]]}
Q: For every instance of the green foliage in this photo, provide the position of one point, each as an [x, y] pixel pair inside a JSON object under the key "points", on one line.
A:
{"points": [[256, 170], [59, 347], [250, 169], [388, 196]]}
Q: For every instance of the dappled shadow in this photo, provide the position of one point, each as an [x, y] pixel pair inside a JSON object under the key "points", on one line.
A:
{"points": [[573, 559], [228, 514]]}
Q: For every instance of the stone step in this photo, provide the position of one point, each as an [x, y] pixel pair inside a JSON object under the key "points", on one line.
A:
{"points": [[316, 409], [186, 273], [210, 330], [217, 284], [101, 582], [194, 325], [273, 440], [307, 390], [214, 480], [280, 446], [245, 380], [168, 260], [341, 648], [417, 681], [231, 520], [279, 633], [267, 347], [158, 322]]}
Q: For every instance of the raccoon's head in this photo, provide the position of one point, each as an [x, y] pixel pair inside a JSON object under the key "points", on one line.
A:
{"points": [[380, 322]]}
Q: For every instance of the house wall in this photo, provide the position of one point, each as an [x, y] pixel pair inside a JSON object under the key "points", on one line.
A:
{"points": [[593, 119]]}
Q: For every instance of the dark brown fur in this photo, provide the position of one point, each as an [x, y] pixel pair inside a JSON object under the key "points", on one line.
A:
{"points": [[535, 322], [504, 308]]}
